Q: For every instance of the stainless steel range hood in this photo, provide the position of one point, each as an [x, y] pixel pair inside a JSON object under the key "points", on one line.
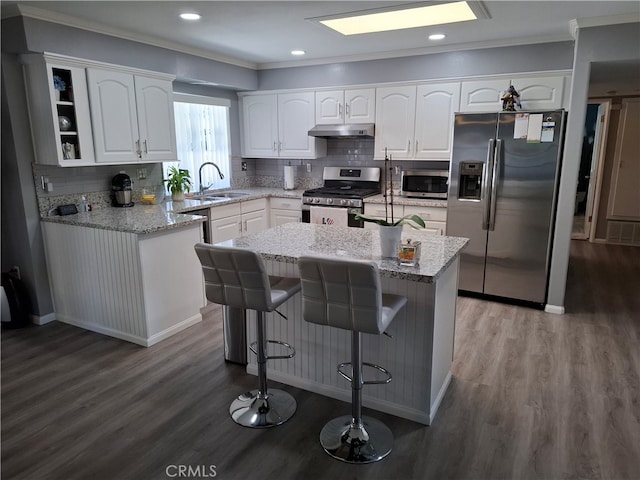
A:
{"points": [[364, 130]]}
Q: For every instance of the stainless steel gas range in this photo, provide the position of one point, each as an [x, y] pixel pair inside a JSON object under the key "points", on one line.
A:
{"points": [[341, 197]]}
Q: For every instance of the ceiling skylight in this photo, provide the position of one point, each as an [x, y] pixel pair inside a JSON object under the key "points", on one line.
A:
{"points": [[381, 21]]}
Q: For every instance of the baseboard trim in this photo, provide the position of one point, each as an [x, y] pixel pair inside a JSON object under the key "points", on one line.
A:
{"points": [[440, 396], [557, 309], [158, 337], [43, 319]]}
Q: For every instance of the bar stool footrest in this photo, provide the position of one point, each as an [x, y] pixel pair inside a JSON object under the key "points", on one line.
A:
{"points": [[370, 365], [253, 346]]}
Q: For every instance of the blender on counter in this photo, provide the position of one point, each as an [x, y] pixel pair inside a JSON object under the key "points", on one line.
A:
{"points": [[121, 190]]}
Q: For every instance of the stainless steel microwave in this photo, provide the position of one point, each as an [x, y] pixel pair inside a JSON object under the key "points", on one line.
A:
{"points": [[425, 183]]}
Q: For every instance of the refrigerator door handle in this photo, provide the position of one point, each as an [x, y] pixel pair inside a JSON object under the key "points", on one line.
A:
{"points": [[485, 194], [494, 183]]}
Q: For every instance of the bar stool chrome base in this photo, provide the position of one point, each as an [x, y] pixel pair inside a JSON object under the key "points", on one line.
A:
{"points": [[344, 440], [255, 410]]}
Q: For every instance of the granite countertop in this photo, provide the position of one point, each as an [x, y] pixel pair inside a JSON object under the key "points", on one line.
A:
{"points": [[167, 215], [398, 200], [141, 219], [287, 242]]}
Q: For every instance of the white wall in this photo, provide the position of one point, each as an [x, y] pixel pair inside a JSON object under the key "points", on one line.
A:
{"points": [[608, 43]]}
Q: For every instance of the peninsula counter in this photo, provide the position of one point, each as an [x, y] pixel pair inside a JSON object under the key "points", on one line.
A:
{"points": [[420, 352]]}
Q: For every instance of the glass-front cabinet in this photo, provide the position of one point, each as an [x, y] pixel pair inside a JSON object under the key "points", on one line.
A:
{"points": [[59, 110]]}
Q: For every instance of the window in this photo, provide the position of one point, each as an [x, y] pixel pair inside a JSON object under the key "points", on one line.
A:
{"points": [[202, 135]]}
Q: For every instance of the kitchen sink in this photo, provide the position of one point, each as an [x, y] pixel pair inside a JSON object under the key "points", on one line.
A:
{"points": [[230, 194]]}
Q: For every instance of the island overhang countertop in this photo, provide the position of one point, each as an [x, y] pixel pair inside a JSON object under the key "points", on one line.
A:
{"points": [[286, 243]]}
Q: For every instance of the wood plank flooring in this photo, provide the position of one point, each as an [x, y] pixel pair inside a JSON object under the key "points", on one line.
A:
{"points": [[533, 396]]}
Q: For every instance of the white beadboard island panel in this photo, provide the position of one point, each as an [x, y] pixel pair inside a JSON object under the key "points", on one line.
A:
{"points": [[420, 353], [108, 281]]}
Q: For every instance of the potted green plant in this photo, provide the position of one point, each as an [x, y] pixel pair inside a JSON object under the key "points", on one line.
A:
{"points": [[178, 183], [390, 228]]}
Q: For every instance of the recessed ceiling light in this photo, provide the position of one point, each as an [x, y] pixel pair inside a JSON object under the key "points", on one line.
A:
{"points": [[190, 16], [437, 36], [382, 21], [298, 52]]}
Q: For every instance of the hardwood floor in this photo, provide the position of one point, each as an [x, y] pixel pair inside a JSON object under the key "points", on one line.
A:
{"points": [[533, 396]]}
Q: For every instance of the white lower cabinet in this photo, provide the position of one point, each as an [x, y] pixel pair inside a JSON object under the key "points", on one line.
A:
{"points": [[284, 210], [378, 210], [435, 218], [238, 219]]}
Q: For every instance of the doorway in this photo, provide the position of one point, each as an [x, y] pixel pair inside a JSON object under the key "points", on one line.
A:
{"points": [[590, 173]]}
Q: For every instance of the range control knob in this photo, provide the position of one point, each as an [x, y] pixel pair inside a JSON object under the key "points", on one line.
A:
{"points": [[316, 200], [329, 201], [343, 201]]}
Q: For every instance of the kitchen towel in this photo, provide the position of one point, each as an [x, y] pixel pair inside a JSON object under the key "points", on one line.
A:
{"points": [[289, 177], [330, 216]]}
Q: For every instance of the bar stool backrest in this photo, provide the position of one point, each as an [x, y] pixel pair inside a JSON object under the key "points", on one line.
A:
{"points": [[235, 277], [342, 293]]}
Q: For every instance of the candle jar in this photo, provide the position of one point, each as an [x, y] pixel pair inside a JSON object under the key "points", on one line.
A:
{"points": [[409, 253]]}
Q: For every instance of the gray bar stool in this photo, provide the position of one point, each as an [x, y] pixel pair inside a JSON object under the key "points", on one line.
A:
{"points": [[347, 294], [237, 277]]}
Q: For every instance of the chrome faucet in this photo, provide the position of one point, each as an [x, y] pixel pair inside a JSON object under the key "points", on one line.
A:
{"points": [[202, 189]]}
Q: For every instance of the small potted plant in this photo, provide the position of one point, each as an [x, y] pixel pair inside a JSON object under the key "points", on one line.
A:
{"points": [[178, 183], [390, 228], [59, 85]]}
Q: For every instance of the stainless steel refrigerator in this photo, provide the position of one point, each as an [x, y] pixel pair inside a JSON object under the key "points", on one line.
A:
{"points": [[502, 196]]}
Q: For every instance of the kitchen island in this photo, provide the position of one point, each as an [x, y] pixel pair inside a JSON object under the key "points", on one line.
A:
{"points": [[419, 355]]}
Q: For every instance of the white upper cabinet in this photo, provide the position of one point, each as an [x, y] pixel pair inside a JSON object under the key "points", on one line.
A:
{"points": [[415, 122], [260, 126], [60, 119], [482, 95], [395, 121], [436, 104], [351, 106], [536, 93], [133, 119], [156, 120], [540, 93], [296, 116], [277, 126]]}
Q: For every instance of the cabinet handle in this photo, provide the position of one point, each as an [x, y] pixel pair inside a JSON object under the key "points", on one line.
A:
{"points": [[339, 109], [245, 226], [346, 109], [408, 145], [138, 151], [416, 147], [274, 146], [240, 227], [146, 150], [279, 146]]}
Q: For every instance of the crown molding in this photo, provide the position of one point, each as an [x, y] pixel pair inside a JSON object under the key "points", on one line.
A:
{"points": [[70, 21]]}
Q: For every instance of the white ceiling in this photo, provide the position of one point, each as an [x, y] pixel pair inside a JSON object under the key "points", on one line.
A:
{"points": [[261, 34]]}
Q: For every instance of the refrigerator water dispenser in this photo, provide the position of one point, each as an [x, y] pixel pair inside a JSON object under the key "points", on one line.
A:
{"points": [[470, 180]]}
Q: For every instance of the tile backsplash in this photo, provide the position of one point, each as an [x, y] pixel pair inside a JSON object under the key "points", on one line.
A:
{"points": [[71, 183]]}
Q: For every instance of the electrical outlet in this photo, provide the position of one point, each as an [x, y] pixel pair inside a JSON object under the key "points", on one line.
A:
{"points": [[243, 165], [308, 168], [16, 269], [142, 173]]}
